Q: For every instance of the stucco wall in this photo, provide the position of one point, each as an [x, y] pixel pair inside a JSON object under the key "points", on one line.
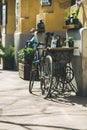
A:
{"points": [[31, 12], [10, 28], [27, 17]]}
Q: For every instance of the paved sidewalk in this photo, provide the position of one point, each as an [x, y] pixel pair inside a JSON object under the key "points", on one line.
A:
{"points": [[20, 110]]}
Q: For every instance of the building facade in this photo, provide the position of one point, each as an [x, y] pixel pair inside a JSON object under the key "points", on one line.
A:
{"points": [[20, 16]]}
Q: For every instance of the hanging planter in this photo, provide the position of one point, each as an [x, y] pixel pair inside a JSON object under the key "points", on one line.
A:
{"points": [[72, 17]]}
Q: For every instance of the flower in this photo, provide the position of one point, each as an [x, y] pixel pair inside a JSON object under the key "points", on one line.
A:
{"points": [[78, 4]]}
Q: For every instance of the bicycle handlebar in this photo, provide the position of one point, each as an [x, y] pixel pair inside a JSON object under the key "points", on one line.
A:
{"points": [[49, 33]]}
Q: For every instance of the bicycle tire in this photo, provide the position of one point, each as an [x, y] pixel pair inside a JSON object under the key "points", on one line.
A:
{"points": [[34, 71], [67, 75], [46, 77], [33, 75]]}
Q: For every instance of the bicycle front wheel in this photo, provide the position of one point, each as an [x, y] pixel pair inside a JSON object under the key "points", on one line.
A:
{"points": [[34, 78], [46, 77]]}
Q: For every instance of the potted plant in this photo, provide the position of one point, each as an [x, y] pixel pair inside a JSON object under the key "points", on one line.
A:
{"points": [[75, 15], [7, 56], [69, 42], [25, 58], [67, 18], [72, 17]]}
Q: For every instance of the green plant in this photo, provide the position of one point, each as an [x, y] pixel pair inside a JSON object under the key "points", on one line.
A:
{"points": [[2, 48], [67, 17], [72, 17], [69, 41], [78, 5], [7, 53], [75, 15], [26, 55], [67, 14]]}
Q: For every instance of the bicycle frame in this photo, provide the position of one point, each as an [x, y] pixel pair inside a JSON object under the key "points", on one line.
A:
{"points": [[38, 63]]}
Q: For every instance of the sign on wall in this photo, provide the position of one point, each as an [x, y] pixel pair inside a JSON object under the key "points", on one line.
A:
{"points": [[45, 2]]}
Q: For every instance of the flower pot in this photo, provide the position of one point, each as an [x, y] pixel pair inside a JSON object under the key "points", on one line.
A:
{"points": [[24, 71], [75, 21], [71, 20], [67, 21], [8, 64], [71, 43]]}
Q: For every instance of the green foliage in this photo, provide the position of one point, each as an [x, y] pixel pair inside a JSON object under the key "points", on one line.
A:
{"points": [[7, 53], [2, 48], [67, 15], [26, 55], [77, 13]]}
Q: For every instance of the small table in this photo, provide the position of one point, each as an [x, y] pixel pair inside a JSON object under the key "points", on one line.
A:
{"points": [[63, 73], [62, 54]]}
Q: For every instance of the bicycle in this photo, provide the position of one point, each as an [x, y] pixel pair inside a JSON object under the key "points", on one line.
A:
{"points": [[53, 69], [38, 62]]}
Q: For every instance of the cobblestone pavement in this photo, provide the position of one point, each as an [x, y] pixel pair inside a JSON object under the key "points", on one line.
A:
{"points": [[20, 110]]}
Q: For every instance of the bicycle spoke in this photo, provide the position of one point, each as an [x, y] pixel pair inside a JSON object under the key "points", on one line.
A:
{"points": [[46, 77]]}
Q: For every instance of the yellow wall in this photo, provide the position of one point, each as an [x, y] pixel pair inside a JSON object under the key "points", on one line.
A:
{"points": [[31, 12], [27, 17], [10, 28], [53, 17]]}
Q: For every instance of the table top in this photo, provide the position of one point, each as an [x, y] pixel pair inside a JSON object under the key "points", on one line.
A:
{"points": [[62, 48], [58, 48]]}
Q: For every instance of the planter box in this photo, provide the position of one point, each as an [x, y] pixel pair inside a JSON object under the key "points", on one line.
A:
{"points": [[8, 64], [24, 71], [71, 26]]}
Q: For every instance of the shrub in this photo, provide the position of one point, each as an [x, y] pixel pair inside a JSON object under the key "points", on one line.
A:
{"points": [[26, 55]]}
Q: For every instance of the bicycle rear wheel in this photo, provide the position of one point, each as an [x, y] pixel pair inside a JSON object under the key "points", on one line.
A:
{"points": [[46, 77]]}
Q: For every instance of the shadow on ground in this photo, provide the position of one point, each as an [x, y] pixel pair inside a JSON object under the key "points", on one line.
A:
{"points": [[71, 100], [26, 126]]}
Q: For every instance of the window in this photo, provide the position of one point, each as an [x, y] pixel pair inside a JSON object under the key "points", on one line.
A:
{"points": [[45, 2], [73, 2]]}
